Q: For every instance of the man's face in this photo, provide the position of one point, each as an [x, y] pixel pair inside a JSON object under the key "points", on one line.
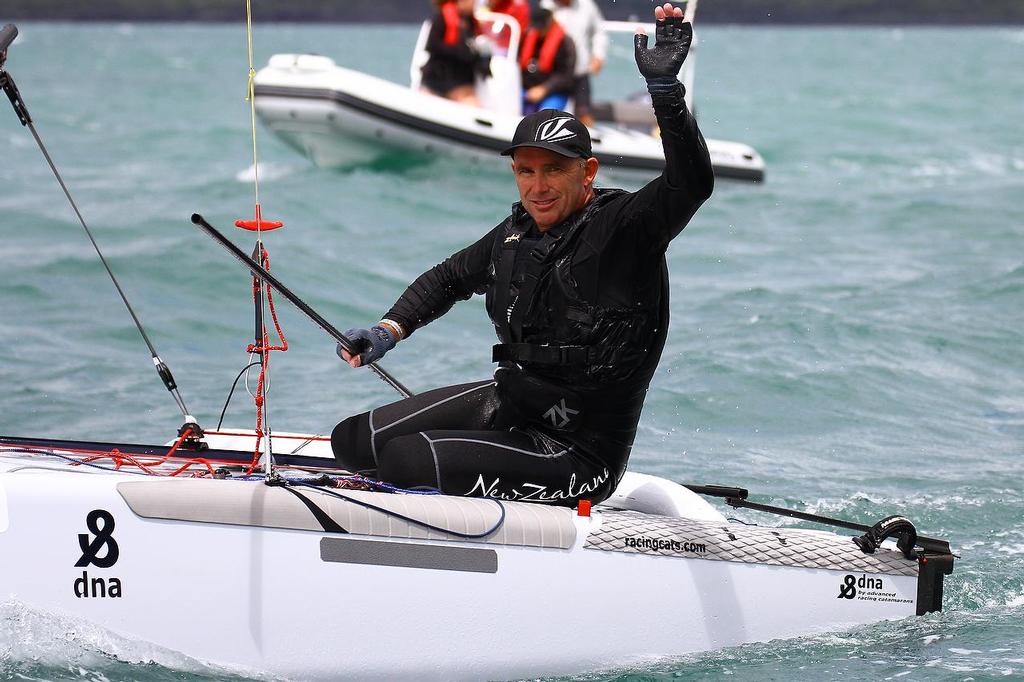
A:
{"points": [[551, 186]]}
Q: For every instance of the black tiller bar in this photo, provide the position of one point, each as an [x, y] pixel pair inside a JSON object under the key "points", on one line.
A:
{"points": [[260, 272]]}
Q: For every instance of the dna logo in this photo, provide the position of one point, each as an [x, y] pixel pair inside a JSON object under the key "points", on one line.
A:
{"points": [[104, 540]]}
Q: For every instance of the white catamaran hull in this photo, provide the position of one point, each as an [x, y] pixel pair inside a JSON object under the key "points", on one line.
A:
{"points": [[302, 583]]}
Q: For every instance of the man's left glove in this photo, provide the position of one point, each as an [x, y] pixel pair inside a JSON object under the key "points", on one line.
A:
{"points": [[371, 344], [661, 63]]}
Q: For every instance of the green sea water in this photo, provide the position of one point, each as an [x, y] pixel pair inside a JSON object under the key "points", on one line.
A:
{"points": [[846, 338]]}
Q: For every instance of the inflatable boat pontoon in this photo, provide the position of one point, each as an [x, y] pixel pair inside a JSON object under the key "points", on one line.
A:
{"points": [[340, 117]]}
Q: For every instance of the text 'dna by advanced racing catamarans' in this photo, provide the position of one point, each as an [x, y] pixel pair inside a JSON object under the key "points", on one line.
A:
{"points": [[280, 563], [341, 117]]}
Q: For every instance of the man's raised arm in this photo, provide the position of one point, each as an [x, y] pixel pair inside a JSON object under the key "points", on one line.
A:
{"points": [[688, 175]]}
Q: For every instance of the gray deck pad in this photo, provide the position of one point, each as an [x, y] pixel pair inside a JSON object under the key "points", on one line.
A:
{"points": [[252, 503], [627, 531], [408, 555]]}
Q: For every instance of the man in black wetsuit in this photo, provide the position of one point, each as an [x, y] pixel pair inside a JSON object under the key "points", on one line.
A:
{"points": [[577, 288]]}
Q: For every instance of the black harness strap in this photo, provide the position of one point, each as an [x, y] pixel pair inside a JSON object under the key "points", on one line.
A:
{"points": [[512, 314], [328, 524], [503, 279], [536, 268]]}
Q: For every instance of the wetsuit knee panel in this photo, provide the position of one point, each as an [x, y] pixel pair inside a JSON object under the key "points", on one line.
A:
{"points": [[409, 462], [350, 443]]}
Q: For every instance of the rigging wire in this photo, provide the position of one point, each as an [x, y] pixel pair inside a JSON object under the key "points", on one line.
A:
{"points": [[8, 85], [250, 97], [263, 300]]}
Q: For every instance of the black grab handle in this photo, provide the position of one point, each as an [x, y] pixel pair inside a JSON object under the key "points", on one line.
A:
{"points": [[7, 35]]}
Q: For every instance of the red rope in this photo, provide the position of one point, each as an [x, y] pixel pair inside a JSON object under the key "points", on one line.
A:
{"points": [[263, 349], [191, 462], [121, 459], [184, 434]]}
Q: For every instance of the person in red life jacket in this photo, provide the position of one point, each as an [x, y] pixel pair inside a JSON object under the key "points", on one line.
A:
{"points": [[454, 60], [547, 58], [517, 9]]}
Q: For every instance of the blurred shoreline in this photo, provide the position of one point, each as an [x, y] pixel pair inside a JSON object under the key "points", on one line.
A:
{"points": [[764, 12]]}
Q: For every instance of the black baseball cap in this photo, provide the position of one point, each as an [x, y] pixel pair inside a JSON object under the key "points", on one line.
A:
{"points": [[557, 131]]}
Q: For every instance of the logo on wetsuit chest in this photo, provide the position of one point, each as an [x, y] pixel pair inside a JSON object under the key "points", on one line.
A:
{"points": [[560, 414], [514, 237]]}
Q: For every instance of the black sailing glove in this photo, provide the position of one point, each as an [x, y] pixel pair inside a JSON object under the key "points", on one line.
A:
{"points": [[660, 64], [371, 343]]}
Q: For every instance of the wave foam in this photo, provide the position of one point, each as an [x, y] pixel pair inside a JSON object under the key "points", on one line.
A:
{"points": [[36, 640], [269, 171]]}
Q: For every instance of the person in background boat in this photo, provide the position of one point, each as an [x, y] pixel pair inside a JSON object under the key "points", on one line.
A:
{"points": [[455, 57], [517, 9], [581, 19], [576, 286], [547, 58]]}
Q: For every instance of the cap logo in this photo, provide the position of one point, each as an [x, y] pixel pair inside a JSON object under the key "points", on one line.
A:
{"points": [[555, 130]]}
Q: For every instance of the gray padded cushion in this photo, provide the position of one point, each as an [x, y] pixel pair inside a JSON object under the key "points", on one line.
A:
{"points": [[252, 503]]}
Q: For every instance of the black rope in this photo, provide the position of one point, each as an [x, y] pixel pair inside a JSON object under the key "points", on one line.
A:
{"points": [[234, 385]]}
